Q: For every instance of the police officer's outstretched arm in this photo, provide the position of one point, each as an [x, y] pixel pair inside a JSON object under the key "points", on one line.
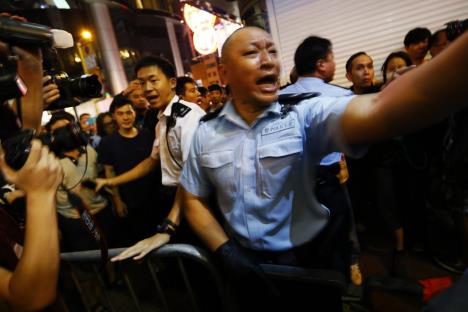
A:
{"points": [[417, 99], [32, 286]]}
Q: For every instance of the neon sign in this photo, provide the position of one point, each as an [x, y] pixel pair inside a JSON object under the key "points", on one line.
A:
{"points": [[208, 36]]}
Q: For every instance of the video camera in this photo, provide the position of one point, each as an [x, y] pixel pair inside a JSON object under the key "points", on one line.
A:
{"points": [[16, 142], [455, 29], [72, 90]]}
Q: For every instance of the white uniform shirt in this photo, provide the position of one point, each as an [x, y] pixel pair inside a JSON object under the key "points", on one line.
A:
{"points": [[179, 139]]}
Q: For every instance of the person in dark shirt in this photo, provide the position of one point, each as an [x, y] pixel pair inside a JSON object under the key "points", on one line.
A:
{"points": [[121, 151]]}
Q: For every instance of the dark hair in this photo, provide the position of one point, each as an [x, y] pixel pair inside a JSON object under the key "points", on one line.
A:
{"points": [[435, 36], [100, 126], [119, 101], [215, 87], [417, 35], [400, 54], [203, 91], [82, 115], [349, 62], [309, 52], [180, 86], [60, 115], [163, 64]]}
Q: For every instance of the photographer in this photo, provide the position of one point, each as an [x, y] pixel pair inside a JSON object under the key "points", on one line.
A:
{"points": [[79, 163], [32, 285]]}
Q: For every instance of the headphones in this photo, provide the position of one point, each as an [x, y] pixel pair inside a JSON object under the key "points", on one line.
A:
{"points": [[67, 138]]}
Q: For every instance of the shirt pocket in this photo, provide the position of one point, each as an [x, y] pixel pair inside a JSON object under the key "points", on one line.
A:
{"points": [[219, 166], [277, 162]]}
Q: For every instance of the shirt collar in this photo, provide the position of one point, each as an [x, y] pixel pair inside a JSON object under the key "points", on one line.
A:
{"points": [[230, 113], [167, 110]]}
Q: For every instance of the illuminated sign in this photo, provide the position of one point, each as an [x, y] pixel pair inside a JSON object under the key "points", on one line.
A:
{"points": [[209, 31]]}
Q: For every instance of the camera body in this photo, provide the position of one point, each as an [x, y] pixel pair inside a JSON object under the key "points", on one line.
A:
{"points": [[15, 141], [73, 90]]}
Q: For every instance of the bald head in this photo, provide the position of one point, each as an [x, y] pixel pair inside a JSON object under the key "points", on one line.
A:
{"points": [[250, 66], [234, 38]]}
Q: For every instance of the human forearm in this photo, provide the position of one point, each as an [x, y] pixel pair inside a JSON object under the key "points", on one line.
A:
{"points": [[202, 221], [139, 171], [34, 282], [419, 98]]}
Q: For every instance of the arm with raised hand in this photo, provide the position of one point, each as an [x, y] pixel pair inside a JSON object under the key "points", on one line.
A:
{"points": [[32, 285], [417, 99]]}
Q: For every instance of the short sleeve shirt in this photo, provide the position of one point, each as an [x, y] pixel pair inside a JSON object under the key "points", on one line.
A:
{"points": [[263, 174], [73, 174], [313, 84], [173, 148]]}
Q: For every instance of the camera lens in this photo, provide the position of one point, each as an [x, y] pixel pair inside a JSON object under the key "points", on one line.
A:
{"points": [[86, 86]]}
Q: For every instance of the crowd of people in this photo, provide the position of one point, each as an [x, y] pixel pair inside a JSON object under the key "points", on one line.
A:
{"points": [[256, 178]]}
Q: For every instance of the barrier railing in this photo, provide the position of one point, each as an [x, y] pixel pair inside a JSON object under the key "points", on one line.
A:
{"points": [[185, 256]]}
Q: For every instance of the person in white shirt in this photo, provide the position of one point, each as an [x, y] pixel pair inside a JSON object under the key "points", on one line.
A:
{"points": [[178, 120]]}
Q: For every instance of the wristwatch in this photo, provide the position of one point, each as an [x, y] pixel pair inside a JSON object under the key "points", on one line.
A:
{"points": [[168, 227]]}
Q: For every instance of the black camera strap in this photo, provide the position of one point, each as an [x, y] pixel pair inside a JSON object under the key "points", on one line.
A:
{"points": [[90, 224], [177, 110]]}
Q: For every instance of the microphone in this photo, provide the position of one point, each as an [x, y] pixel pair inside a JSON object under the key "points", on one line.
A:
{"points": [[25, 33], [61, 39]]}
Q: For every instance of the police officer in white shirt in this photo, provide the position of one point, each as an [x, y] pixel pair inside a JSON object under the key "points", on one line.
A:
{"points": [[178, 120]]}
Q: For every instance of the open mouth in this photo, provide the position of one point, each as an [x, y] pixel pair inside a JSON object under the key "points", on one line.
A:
{"points": [[268, 79], [152, 98]]}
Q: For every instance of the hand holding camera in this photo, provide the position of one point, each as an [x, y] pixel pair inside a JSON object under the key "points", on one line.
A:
{"points": [[41, 174]]}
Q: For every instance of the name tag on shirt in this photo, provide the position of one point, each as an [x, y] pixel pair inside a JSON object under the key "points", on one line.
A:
{"points": [[279, 126]]}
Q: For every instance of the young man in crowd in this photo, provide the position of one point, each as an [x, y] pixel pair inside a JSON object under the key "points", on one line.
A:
{"points": [[360, 71], [187, 89], [438, 42], [315, 67], [216, 96], [204, 99], [121, 151], [178, 120], [140, 105], [417, 44], [258, 159]]}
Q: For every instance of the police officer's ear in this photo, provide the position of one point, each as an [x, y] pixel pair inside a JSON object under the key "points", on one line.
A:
{"points": [[173, 83], [223, 72], [349, 76], [320, 65]]}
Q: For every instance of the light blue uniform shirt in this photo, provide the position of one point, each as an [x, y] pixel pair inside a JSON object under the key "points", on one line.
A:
{"points": [[312, 84], [263, 174]]}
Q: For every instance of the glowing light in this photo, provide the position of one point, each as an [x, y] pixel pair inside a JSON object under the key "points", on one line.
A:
{"points": [[86, 34], [205, 41], [77, 59], [207, 37], [197, 19]]}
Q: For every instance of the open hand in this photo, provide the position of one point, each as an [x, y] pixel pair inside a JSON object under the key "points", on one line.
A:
{"points": [[142, 248]]}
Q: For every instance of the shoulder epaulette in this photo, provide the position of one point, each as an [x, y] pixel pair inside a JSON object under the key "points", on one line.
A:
{"points": [[211, 115], [288, 100], [179, 110]]}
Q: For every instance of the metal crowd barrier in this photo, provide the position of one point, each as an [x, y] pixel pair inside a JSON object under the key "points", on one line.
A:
{"points": [[183, 255], [180, 253]]}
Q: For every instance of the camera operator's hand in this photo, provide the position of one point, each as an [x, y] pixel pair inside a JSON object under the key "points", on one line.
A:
{"points": [[32, 285], [41, 174], [50, 90]]}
